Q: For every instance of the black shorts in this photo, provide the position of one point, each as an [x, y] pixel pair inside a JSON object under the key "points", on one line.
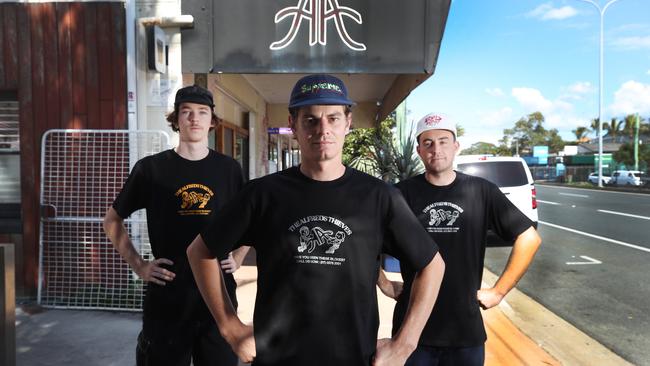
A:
{"points": [[200, 343]]}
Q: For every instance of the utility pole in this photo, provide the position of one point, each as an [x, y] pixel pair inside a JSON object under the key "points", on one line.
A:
{"points": [[636, 143], [601, 11]]}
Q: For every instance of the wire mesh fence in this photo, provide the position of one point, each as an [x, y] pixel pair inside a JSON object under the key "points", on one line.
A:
{"points": [[569, 174], [82, 172]]}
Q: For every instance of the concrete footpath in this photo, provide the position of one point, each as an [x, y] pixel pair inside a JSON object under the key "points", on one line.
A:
{"points": [[520, 332]]}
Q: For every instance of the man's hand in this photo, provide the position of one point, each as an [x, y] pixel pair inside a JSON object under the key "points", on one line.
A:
{"points": [[229, 265], [390, 353], [242, 342], [153, 272], [489, 297]]}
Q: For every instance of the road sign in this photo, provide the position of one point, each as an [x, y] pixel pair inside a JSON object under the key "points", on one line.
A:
{"points": [[279, 131]]}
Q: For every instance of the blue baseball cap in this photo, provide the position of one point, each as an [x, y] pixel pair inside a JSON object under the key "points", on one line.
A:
{"points": [[319, 90]]}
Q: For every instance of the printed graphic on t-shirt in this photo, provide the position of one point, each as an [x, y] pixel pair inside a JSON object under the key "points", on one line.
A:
{"points": [[319, 234], [442, 216], [193, 199]]}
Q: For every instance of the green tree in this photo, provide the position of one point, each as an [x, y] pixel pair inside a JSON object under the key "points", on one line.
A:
{"points": [[644, 126], [529, 131], [406, 162], [380, 152], [625, 155], [479, 148], [359, 151], [554, 141], [629, 125], [460, 130]]}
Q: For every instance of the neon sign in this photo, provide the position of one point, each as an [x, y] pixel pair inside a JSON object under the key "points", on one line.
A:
{"points": [[318, 13]]}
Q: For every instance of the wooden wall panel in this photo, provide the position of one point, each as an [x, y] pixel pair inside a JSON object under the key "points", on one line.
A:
{"points": [[104, 35], [67, 62], [51, 62], [92, 70], [118, 51], [78, 49], [29, 190], [39, 108], [10, 46], [2, 51]]}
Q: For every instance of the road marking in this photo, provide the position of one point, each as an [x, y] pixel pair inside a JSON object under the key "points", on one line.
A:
{"points": [[633, 246], [595, 189], [624, 214], [549, 202], [589, 260], [573, 195]]}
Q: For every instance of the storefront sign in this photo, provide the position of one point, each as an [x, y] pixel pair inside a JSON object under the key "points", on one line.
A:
{"points": [[303, 36]]}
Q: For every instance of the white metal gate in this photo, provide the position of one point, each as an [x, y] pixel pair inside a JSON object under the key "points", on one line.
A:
{"points": [[82, 171]]}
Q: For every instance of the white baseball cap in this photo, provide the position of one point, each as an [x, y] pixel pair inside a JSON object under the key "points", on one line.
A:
{"points": [[435, 121]]}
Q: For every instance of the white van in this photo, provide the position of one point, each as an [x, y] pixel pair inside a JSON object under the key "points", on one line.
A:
{"points": [[511, 175], [628, 178]]}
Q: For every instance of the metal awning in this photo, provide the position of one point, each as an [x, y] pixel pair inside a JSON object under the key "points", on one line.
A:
{"points": [[382, 49]]}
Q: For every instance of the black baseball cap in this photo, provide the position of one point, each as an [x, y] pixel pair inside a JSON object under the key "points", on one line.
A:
{"points": [[193, 94], [319, 89]]}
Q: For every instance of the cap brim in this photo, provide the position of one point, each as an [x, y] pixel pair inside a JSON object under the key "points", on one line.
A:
{"points": [[323, 101], [195, 100]]}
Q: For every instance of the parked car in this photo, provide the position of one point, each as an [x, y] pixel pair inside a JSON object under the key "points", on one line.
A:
{"points": [[628, 178], [593, 179], [512, 176]]}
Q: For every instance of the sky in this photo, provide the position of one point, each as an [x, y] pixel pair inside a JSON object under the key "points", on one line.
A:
{"points": [[503, 59]]}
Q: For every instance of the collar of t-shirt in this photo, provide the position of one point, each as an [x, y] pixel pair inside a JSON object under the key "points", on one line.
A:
{"points": [[320, 183]]}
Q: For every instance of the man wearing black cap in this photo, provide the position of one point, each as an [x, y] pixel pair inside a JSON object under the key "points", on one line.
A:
{"points": [[180, 189], [319, 230]]}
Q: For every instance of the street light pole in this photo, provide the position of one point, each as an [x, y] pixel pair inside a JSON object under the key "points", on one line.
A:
{"points": [[601, 11]]}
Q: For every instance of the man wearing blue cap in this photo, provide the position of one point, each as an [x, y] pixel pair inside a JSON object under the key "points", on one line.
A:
{"points": [[319, 230], [180, 189]]}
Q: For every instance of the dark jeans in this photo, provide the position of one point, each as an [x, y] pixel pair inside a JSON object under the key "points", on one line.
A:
{"points": [[447, 356], [202, 344]]}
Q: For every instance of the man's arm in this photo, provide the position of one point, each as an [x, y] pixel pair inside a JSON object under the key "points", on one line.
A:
{"points": [[148, 271], [207, 273], [522, 254], [424, 293]]}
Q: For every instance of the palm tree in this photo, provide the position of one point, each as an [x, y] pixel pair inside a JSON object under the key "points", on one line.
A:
{"points": [[613, 128], [581, 133], [629, 125], [594, 126]]}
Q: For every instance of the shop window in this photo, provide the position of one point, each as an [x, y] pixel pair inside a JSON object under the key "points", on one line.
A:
{"points": [[232, 140], [9, 163]]}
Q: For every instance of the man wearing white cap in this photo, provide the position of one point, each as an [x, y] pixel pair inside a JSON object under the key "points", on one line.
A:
{"points": [[457, 209]]}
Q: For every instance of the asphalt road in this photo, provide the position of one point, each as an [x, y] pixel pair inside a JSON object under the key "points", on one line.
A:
{"points": [[593, 268]]}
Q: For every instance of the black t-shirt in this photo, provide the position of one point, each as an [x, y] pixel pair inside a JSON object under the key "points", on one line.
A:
{"points": [[180, 197], [318, 250], [457, 217]]}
